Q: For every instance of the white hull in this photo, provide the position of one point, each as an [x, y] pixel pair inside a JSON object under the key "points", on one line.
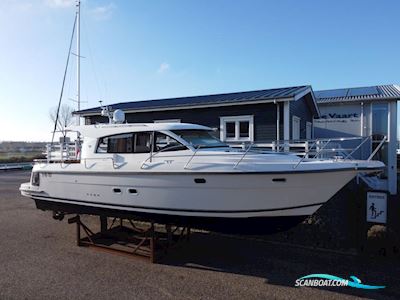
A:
{"points": [[222, 195]]}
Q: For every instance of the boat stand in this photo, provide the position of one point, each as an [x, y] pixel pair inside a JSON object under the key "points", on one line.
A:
{"points": [[146, 240]]}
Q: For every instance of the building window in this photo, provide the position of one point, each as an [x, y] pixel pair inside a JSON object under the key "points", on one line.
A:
{"points": [[244, 129], [168, 121], [308, 130], [230, 130], [379, 130], [237, 129], [380, 121]]}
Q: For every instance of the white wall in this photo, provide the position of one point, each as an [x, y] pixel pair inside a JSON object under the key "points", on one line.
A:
{"points": [[339, 121], [344, 120]]}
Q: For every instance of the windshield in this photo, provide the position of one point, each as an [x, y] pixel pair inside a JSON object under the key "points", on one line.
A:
{"points": [[200, 138]]}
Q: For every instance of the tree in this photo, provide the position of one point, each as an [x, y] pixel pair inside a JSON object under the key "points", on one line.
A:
{"points": [[65, 117]]}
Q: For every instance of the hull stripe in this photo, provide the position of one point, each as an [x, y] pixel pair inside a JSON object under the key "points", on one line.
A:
{"points": [[195, 173], [37, 197]]}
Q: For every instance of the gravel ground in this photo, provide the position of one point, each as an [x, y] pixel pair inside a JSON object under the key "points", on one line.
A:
{"points": [[39, 259]]}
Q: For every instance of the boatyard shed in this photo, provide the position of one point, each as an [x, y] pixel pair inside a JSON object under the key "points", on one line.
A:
{"points": [[253, 116], [369, 112]]}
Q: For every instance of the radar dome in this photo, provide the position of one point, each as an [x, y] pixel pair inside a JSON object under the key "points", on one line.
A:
{"points": [[118, 116]]}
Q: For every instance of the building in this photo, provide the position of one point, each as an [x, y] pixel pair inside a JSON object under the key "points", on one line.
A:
{"points": [[255, 116], [365, 112], [283, 114]]}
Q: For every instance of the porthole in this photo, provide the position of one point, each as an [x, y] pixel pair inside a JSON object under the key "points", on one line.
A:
{"points": [[132, 191], [278, 179], [117, 190], [199, 180]]}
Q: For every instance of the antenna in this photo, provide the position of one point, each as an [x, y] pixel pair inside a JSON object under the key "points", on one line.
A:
{"points": [[106, 112], [117, 117], [78, 56]]}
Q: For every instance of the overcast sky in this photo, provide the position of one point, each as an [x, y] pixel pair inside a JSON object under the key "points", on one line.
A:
{"points": [[138, 50]]}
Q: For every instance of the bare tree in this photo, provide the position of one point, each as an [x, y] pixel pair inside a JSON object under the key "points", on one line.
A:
{"points": [[65, 117]]}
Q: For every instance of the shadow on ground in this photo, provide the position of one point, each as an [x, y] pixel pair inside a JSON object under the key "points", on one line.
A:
{"points": [[282, 264]]}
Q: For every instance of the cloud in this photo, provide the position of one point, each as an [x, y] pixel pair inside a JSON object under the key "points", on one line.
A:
{"points": [[103, 12], [60, 3], [164, 67]]}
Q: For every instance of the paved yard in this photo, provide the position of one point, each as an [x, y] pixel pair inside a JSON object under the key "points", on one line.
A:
{"points": [[39, 260]]}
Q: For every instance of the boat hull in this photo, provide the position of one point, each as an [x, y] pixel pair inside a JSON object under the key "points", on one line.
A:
{"points": [[221, 202], [245, 226]]}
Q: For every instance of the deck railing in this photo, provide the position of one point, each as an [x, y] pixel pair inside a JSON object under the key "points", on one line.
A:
{"points": [[336, 148], [339, 148], [62, 152]]}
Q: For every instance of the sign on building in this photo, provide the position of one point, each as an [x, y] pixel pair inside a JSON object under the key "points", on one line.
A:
{"points": [[338, 121], [376, 207]]}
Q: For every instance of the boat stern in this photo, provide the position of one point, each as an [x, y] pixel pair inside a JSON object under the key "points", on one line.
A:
{"points": [[27, 189], [32, 187]]}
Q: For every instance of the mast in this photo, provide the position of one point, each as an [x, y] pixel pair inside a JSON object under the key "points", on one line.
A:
{"points": [[78, 55]]}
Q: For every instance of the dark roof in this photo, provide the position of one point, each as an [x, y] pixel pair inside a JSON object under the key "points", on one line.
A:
{"points": [[217, 99], [378, 92]]}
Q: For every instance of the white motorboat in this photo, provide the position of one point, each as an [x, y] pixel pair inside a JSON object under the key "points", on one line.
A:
{"points": [[175, 172], [180, 173]]}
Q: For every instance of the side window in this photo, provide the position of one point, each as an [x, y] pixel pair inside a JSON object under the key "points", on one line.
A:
{"points": [[142, 142], [163, 142], [103, 145], [122, 143], [125, 143]]}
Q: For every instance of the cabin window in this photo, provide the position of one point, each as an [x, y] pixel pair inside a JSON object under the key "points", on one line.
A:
{"points": [[122, 143], [35, 178], [163, 142], [142, 142], [237, 129], [199, 138], [125, 143]]}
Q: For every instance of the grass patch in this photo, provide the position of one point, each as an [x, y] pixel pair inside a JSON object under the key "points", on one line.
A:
{"points": [[17, 157]]}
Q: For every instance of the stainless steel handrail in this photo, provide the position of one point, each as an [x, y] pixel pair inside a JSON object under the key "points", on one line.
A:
{"points": [[377, 148], [358, 147], [306, 154], [152, 154], [245, 153], [316, 155], [96, 158], [193, 155], [66, 151]]}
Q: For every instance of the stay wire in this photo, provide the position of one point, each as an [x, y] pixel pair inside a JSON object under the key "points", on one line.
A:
{"points": [[63, 83]]}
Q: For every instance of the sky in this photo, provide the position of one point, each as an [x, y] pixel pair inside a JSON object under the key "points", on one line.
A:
{"points": [[150, 49]]}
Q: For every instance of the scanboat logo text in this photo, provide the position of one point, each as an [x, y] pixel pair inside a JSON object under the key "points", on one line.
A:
{"points": [[330, 280]]}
